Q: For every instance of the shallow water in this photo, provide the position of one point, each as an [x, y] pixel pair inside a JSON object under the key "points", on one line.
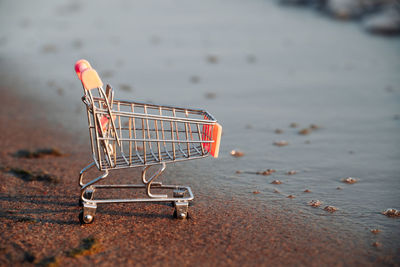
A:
{"points": [[274, 66]]}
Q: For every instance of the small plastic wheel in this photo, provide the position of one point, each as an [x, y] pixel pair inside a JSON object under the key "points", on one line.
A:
{"points": [[85, 220], [181, 215]]}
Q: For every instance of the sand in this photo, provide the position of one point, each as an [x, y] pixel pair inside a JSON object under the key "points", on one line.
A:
{"points": [[40, 225]]}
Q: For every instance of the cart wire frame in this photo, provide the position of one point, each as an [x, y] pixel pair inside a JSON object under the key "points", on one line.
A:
{"points": [[127, 134]]}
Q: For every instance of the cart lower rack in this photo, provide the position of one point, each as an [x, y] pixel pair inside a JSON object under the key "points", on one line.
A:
{"points": [[127, 134]]}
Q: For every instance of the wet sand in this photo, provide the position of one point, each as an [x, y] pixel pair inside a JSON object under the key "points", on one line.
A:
{"points": [[40, 225]]}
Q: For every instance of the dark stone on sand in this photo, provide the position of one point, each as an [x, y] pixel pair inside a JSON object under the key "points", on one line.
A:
{"points": [[210, 95], [195, 79], [304, 131], [125, 87], [38, 153], [29, 176], [386, 22], [213, 59]]}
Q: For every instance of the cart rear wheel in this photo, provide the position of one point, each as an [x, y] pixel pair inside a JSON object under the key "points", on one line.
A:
{"points": [[85, 219]]}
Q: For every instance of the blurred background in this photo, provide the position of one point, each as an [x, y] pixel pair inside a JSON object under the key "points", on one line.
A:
{"points": [[266, 70]]}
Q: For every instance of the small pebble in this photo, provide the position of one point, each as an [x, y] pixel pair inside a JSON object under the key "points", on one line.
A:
{"points": [[291, 172], [375, 231], [350, 180], [238, 172], [307, 191], [195, 79], [330, 209], [213, 59], [125, 87], [305, 131], [314, 126], [291, 196], [237, 153], [278, 131], [266, 172], [276, 191], [276, 182], [281, 143], [294, 125], [338, 188], [251, 58], [256, 192], [49, 48], [391, 213], [210, 95], [315, 203]]}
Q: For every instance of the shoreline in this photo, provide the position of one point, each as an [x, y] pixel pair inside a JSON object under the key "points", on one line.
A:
{"points": [[41, 226]]}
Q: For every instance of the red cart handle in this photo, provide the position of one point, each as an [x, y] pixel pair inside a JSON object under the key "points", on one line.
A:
{"points": [[88, 76]]}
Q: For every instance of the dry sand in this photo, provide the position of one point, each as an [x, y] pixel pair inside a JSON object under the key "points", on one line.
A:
{"points": [[40, 226]]}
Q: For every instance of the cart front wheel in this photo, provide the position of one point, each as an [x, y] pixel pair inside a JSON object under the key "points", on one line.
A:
{"points": [[87, 219], [181, 215]]}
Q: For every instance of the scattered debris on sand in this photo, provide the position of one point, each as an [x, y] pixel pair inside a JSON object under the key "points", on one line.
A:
{"points": [[212, 59], [50, 262], [314, 127], [307, 191], [391, 213], [291, 196], [251, 58], [304, 131], [291, 172], [315, 203], [375, 231], [330, 209], [26, 220], [281, 143], [33, 176], [194, 79], [125, 87], [24, 153], [350, 180], [89, 246], [49, 48], [210, 95], [237, 153], [266, 172], [276, 182]]}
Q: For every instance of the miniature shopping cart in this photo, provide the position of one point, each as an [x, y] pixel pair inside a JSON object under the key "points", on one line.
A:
{"points": [[126, 134]]}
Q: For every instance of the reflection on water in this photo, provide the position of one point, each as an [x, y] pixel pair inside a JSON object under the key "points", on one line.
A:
{"points": [[265, 72]]}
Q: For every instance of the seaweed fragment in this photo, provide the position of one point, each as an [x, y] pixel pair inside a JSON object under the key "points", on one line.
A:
{"points": [[89, 246]]}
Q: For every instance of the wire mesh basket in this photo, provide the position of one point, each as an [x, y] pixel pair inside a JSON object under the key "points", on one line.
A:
{"points": [[125, 134]]}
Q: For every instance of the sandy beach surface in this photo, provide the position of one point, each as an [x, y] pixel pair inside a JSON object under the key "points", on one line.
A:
{"points": [[40, 225], [314, 99]]}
